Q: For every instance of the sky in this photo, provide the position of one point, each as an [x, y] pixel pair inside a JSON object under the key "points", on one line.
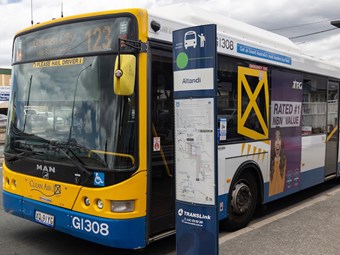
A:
{"points": [[293, 19]]}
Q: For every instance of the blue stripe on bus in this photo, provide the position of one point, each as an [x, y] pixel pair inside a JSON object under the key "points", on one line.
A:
{"points": [[312, 177], [125, 233], [12, 204], [307, 179]]}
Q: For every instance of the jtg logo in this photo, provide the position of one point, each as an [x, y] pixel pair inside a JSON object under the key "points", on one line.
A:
{"points": [[90, 226], [297, 85]]}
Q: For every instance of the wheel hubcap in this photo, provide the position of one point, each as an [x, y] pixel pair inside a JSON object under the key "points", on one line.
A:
{"points": [[241, 199]]}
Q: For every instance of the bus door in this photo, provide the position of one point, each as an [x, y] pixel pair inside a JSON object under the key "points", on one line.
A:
{"points": [[162, 203], [332, 140]]}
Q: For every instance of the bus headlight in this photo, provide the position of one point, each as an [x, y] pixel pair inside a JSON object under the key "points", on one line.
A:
{"points": [[122, 206], [100, 204], [87, 201]]}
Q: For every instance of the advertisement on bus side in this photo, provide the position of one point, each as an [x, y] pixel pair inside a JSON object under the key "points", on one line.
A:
{"points": [[285, 132]]}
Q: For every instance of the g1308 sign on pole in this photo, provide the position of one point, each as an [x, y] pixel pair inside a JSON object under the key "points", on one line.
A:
{"points": [[194, 54]]}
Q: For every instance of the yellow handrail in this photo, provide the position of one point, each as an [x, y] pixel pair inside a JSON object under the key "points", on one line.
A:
{"points": [[115, 154], [332, 133]]}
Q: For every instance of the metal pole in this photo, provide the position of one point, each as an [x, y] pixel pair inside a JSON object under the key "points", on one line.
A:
{"points": [[32, 12]]}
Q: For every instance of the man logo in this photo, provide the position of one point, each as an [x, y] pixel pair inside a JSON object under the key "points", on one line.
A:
{"points": [[43, 168], [45, 174], [46, 170]]}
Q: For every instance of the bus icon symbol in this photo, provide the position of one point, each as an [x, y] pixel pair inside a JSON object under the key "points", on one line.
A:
{"points": [[190, 39]]}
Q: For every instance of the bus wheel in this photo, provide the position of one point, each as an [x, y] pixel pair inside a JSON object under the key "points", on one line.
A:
{"points": [[242, 204]]}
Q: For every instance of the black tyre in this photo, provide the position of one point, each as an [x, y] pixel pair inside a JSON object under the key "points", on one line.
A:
{"points": [[242, 202]]}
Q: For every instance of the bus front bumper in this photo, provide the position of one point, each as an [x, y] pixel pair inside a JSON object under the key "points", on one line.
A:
{"points": [[126, 233]]}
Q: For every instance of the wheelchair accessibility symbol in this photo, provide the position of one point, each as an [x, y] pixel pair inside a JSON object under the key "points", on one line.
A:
{"points": [[99, 179]]}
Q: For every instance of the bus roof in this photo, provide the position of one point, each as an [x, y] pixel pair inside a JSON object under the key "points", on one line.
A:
{"points": [[191, 15], [183, 15]]}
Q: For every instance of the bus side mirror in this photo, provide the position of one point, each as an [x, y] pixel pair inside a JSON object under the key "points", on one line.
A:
{"points": [[124, 75]]}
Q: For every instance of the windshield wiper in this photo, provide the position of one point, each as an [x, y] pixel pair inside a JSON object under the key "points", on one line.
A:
{"points": [[24, 150], [27, 149], [72, 145], [76, 160], [63, 149], [14, 157]]}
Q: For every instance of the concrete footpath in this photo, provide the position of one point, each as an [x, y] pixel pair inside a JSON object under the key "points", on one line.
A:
{"points": [[310, 227]]}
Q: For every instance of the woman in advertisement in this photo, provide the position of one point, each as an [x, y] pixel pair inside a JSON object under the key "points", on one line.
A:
{"points": [[277, 164]]}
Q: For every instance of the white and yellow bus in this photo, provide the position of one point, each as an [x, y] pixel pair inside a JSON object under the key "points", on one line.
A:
{"points": [[90, 140]]}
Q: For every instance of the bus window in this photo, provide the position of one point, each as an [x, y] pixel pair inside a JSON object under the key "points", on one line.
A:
{"points": [[236, 90], [227, 96], [314, 104]]}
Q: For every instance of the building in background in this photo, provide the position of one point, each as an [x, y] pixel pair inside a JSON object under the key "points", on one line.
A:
{"points": [[5, 82]]}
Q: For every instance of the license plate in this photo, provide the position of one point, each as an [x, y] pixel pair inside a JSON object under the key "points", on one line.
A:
{"points": [[44, 218]]}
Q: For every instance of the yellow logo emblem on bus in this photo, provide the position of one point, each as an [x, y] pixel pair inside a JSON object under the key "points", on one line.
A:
{"points": [[248, 104]]}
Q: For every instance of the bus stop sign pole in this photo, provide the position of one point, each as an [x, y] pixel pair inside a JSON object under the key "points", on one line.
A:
{"points": [[195, 102]]}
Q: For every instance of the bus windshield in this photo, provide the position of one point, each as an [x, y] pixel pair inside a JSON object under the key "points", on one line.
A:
{"points": [[70, 102]]}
